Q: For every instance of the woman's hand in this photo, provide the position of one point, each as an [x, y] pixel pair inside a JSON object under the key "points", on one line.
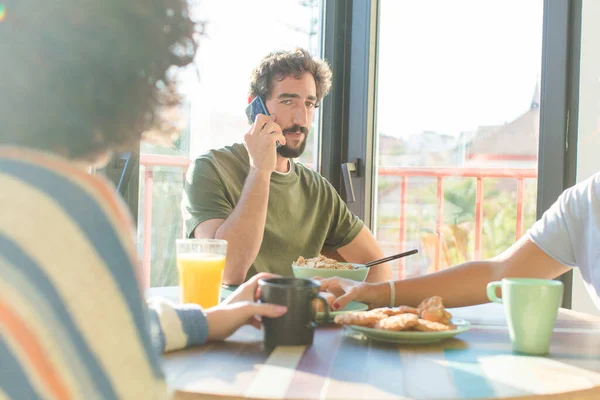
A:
{"points": [[241, 308], [347, 290]]}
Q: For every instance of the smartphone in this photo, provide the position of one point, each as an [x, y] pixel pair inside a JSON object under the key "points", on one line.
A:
{"points": [[257, 106]]}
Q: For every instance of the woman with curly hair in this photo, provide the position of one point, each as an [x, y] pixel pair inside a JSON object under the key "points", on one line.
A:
{"points": [[79, 79]]}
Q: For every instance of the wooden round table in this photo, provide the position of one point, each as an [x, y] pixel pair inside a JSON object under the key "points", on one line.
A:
{"points": [[343, 364]]}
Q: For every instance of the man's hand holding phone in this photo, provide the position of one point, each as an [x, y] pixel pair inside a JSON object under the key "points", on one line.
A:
{"points": [[261, 141]]}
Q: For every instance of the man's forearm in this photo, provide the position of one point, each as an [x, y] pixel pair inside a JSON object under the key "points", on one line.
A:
{"points": [[364, 248], [244, 228]]}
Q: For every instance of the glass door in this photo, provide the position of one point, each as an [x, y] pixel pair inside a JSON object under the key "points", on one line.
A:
{"points": [[457, 123]]}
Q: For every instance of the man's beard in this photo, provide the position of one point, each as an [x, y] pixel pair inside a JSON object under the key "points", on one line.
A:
{"points": [[288, 152]]}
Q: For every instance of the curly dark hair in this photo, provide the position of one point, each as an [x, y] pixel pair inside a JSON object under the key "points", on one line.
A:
{"points": [[282, 64], [82, 77]]}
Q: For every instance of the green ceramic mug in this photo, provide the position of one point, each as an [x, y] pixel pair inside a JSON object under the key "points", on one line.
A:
{"points": [[531, 307]]}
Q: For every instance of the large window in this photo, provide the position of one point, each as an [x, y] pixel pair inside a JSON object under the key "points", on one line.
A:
{"points": [[234, 37], [457, 125], [442, 104]]}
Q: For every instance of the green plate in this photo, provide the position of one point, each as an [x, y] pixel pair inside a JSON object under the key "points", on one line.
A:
{"points": [[352, 306], [413, 337]]}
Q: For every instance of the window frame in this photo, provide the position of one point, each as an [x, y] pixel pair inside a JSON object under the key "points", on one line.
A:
{"points": [[558, 109]]}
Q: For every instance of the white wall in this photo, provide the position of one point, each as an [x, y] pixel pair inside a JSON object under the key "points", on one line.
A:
{"points": [[588, 146]]}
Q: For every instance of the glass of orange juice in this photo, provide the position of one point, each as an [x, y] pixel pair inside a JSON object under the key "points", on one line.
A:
{"points": [[200, 263]]}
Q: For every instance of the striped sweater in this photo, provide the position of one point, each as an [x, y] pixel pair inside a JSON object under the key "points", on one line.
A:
{"points": [[73, 322]]}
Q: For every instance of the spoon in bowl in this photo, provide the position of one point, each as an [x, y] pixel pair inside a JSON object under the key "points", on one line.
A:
{"points": [[390, 258]]}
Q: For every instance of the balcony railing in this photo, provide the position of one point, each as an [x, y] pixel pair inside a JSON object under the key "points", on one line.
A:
{"points": [[149, 162], [440, 173]]}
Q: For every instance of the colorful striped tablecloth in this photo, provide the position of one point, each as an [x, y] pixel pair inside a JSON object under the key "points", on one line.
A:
{"points": [[342, 364]]}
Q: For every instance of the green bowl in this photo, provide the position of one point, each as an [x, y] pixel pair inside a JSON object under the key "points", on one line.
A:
{"points": [[358, 274]]}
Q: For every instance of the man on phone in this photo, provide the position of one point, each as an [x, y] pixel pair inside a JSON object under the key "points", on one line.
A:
{"points": [[269, 208]]}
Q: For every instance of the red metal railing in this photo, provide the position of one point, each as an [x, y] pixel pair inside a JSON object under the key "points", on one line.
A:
{"points": [[440, 173]]}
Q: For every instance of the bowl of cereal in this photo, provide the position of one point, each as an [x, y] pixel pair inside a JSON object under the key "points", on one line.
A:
{"points": [[327, 268]]}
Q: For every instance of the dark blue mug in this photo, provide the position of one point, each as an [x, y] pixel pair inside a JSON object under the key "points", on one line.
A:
{"points": [[297, 325]]}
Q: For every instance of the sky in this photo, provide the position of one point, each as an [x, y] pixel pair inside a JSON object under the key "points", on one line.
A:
{"points": [[449, 66], [446, 66]]}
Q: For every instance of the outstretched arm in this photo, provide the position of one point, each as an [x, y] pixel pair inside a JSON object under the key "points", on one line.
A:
{"points": [[463, 285]]}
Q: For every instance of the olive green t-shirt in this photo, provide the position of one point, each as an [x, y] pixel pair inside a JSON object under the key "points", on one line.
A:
{"points": [[305, 214]]}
